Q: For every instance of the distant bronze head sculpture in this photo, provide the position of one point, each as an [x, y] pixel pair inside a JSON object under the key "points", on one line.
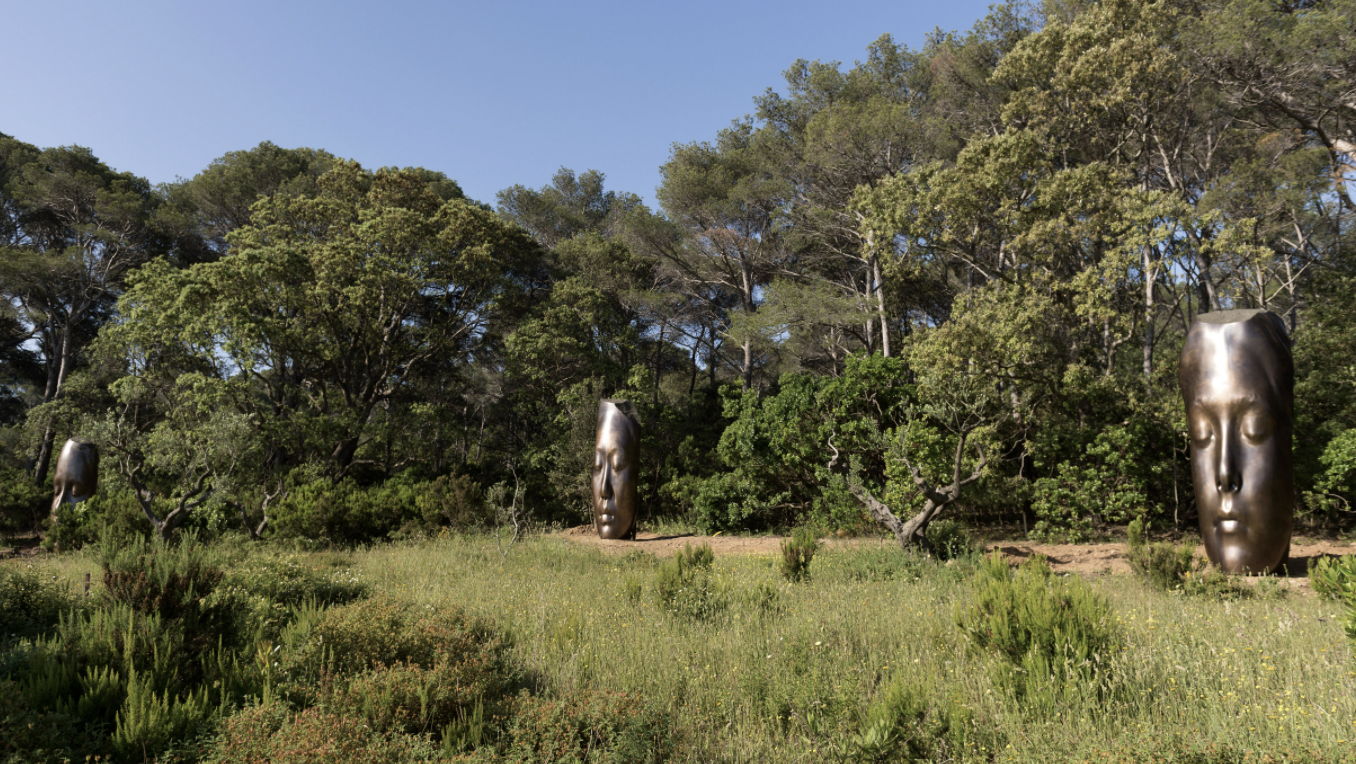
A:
{"points": [[77, 474], [1238, 380], [616, 470]]}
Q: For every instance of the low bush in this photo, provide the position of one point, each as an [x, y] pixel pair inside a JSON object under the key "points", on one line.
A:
{"points": [[797, 553], [1334, 577], [1162, 565], [1047, 631], [29, 605], [458, 656], [113, 512], [22, 504], [949, 540], [903, 723], [883, 564], [686, 588], [588, 725], [274, 733]]}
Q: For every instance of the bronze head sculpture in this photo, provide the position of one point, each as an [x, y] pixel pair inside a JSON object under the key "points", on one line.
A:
{"points": [[616, 470], [76, 477], [1238, 379]]}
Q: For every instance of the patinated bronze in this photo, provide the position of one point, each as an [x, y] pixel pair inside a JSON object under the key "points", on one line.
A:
{"points": [[77, 474], [1238, 379], [616, 460]]}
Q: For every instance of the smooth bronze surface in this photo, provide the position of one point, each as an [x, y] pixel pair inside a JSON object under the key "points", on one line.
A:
{"points": [[1238, 382], [616, 470], [77, 474]]}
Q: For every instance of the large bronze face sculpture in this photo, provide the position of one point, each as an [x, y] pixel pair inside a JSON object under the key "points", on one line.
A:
{"points": [[1238, 380], [76, 477], [616, 461]]}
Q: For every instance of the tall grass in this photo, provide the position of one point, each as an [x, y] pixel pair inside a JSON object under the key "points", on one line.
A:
{"points": [[864, 662], [774, 683]]}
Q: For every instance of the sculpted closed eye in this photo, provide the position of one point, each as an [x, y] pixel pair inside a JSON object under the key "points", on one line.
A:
{"points": [[1258, 427], [1201, 432]]}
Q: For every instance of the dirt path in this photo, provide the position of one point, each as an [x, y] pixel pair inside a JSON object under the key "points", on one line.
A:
{"points": [[1087, 559]]}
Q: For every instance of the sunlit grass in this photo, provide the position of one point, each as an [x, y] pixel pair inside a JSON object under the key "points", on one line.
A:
{"points": [[1263, 675]]}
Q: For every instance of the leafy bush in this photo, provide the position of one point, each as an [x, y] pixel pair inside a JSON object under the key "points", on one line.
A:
{"points": [[1334, 576], [38, 736], [797, 553], [112, 512], [284, 579], [884, 564], [1047, 631], [685, 587], [1163, 565], [902, 723], [21, 502], [274, 733], [344, 512], [155, 577], [30, 606], [948, 539], [589, 725], [1108, 483], [452, 501], [449, 646]]}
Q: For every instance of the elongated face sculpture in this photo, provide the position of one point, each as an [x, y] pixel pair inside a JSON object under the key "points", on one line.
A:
{"points": [[76, 477], [616, 460], [1238, 382]]}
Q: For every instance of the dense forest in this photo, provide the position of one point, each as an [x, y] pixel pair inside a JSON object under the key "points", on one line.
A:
{"points": [[951, 280]]}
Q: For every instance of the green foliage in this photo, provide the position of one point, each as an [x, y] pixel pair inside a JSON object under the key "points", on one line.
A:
{"points": [[113, 511], [1110, 487], [797, 553], [29, 606], [686, 587], [275, 733], [949, 540], [1165, 566], [884, 564], [904, 723], [589, 725], [21, 501], [1047, 632], [345, 512], [1334, 577]]}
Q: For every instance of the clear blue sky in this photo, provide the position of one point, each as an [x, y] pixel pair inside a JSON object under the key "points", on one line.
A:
{"points": [[490, 93]]}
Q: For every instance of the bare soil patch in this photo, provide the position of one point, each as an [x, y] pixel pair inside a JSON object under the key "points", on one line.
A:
{"points": [[1084, 559]]}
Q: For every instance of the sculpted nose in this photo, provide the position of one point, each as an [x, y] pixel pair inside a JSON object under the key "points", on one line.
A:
{"points": [[1228, 477], [606, 475]]}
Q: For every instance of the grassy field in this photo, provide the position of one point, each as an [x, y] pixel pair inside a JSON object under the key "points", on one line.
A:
{"points": [[782, 672]]}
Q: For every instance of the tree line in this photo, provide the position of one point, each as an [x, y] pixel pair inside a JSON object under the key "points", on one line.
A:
{"points": [[953, 278]]}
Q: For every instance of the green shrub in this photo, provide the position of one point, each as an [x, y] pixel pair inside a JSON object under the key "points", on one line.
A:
{"points": [[21, 501], [380, 633], [157, 577], [1334, 576], [1047, 631], [112, 512], [589, 725], [883, 564], [902, 723], [948, 539], [30, 606], [685, 587], [274, 733], [287, 579], [1163, 565], [38, 736], [1108, 481], [452, 501], [344, 512], [797, 553]]}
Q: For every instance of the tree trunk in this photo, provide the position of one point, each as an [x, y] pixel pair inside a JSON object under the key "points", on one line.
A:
{"points": [[880, 307]]}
